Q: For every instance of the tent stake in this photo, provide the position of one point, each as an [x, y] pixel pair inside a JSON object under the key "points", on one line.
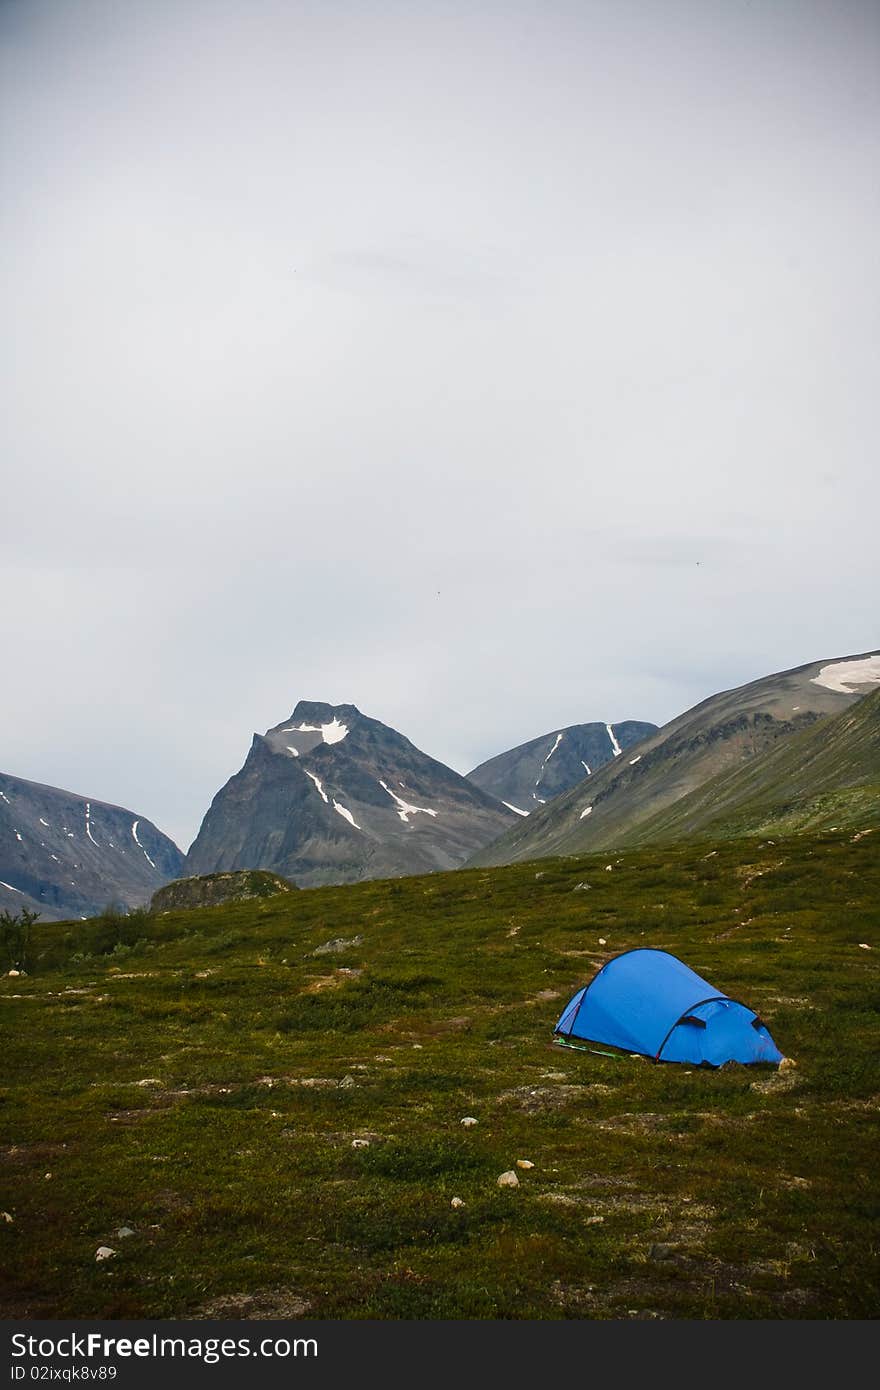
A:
{"points": [[595, 1051]]}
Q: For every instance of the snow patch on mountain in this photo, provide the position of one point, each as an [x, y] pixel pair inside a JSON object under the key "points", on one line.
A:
{"points": [[134, 831], [404, 809], [842, 676], [514, 808], [585, 812], [334, 732], [345, 813], [615, 746], [318, 783]]}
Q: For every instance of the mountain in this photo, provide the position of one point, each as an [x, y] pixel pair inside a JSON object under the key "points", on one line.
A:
{"points": [[625, 801], [526, 777], [331, 796], [69, 856], [825, 778]]}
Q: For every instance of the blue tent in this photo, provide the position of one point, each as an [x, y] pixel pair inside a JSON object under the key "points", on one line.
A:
{"points": [[649, 1002]]}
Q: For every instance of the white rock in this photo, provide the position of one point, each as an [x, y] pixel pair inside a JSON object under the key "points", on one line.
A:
{"points": [[13, 974], [456, 1202], [608, 868], [786, 1064], [104, 1252], [524, 1163], [7, 1217], [863, 944], [508, 1179], [124, 1232], [594, 1220], [469, 1121], [360, 1143], [602, 941]]}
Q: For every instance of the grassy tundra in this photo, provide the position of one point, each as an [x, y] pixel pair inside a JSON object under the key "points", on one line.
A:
{"points": [[270, 1096]]}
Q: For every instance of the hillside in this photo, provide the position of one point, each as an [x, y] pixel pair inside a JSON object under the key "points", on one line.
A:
{"points": [[722, 734], [66, 855], [826, 777], [533, 773], [259, 1107], [332, 796]]}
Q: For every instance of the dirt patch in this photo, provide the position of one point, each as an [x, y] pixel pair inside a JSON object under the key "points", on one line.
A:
{"points": [[536, 1098], [264, 1304], [448, 1025], [339, 977], [30, 1153]]}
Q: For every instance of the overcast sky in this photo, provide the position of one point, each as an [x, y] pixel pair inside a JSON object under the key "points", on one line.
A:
{"points": [[492, 367]]}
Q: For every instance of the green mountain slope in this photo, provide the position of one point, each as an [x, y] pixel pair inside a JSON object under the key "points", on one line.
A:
{"points": [[827, 776], [724, 734]]}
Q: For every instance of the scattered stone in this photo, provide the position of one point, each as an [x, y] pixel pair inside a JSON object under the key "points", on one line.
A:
{"points": [[540, 875], [417, 1047], [7, 1217], [104, 1252], [468, 1121], [594, 1220], [360, 1143], [124, 1232], [863, 945], [48, 1176], [337, 946], [524, 1163], [608, 868], [661, 1252], [457, 1203], [786, 1064], [149, 1081], [346, 1083], [13, 974], [581, 887], [602, 941], [508, 1179]]}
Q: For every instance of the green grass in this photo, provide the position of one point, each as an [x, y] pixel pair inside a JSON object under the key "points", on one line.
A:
{"points": [[656, 1191]]}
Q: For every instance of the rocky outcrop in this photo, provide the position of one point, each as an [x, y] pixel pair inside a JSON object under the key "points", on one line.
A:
{"points": [[212, 890]]}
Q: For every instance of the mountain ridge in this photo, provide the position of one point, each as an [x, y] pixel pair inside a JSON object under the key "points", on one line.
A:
{"points": [[330, 795], [67, 855], [532, 773], [721, 732]]}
